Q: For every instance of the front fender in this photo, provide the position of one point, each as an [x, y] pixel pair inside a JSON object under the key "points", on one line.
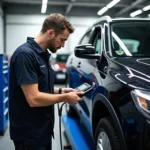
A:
{"points": [[112, 113]]}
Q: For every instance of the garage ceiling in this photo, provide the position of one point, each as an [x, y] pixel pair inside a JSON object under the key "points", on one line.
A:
{"points": [[86, 8]]}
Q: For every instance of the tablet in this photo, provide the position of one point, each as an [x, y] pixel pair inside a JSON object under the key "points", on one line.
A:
{"points": [[85, 87]]}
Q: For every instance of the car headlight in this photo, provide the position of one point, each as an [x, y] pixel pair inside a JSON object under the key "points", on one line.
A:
{"points": [[142, 101]]}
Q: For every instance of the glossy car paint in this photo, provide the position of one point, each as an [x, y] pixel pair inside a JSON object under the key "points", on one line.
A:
{"points": [[113, 79]]}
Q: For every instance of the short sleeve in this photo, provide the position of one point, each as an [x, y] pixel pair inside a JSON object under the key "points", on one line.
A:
{"points": [[26, 69]]}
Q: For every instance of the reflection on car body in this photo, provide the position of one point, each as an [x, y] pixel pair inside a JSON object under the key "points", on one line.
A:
{"points": [[114, 55]]}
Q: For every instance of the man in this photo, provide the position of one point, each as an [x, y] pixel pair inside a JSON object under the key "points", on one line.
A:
{"points": [[31, 86]]}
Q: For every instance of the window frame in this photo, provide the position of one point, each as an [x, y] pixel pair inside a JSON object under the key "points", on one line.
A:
{"points": [[96, 32]]}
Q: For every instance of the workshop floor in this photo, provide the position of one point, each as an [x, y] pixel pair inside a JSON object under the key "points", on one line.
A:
{"points": [[6, 143]]}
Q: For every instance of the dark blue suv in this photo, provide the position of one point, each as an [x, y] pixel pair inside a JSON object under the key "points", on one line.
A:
{"points": [[114, 57]]}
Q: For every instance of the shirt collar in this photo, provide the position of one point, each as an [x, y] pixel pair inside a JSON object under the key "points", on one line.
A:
{"points": [[35, 45], [38, 48]]}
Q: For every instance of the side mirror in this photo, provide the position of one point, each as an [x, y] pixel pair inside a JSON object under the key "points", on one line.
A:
{"points": [[86, 51]]}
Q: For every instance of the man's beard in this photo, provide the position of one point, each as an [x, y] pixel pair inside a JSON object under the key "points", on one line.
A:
{"points": [[52, 48]]}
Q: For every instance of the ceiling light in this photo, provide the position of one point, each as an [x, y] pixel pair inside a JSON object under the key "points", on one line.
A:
{"points": [[111, 4], [44, 6], [146, 8], [43, 9], [135, 13], [103, 10], [44, 1]]}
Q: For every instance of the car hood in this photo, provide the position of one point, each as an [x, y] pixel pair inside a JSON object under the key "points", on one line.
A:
{"points": [[134, 71]]}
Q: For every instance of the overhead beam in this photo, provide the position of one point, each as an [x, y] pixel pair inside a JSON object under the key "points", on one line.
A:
{"points": [[35, 2], [91, 4], [68, 4], [69, 7], [126, 9]]}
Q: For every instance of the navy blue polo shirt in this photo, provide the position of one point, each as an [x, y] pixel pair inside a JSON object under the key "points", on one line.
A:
{"points": [[30, 65]]}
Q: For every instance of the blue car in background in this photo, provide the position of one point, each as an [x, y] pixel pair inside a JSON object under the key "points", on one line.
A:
{"points": [[113, 57]]}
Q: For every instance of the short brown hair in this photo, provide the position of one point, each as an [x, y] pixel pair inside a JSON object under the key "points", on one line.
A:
{"points": [[57, 22]]}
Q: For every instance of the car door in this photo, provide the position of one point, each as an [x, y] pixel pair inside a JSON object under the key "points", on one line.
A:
{"points": [[102, 65], [105, 70], [74, 65], [86, 71]]}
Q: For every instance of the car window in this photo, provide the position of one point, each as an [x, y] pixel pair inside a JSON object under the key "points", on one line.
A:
{"points": [[98, 46], [96, 42], [131, 39], [86, 37]]}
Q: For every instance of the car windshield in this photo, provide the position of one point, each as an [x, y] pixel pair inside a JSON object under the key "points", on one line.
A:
{"points": [[131, 39]]}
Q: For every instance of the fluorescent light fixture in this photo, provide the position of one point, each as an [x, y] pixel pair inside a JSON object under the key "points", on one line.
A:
{"points": [[43, 9], [135, 13], [146, 8], [102, 11], [111, 4], [44, 1], [44, 6]]}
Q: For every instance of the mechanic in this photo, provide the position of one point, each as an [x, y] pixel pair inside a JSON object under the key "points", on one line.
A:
{"points": [[31, 86]]}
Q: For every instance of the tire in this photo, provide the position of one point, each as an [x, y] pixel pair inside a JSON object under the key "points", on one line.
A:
{"points": [[106, 137], [70, 110]]}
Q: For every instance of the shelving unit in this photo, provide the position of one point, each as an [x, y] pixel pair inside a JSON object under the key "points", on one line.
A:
{"points": [[4, 75]]}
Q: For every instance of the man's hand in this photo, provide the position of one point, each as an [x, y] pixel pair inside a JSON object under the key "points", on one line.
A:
{"points": [[67, 90], [74, 97]]}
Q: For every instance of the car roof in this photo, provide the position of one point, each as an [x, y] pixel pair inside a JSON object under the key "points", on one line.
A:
{"points": [[108, 19]]}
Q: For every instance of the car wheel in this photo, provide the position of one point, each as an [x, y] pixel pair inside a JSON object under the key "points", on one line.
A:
{"points": [[71, 112], [106, 137]]}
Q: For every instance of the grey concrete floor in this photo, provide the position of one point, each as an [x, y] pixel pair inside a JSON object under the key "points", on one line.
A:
{"points": [[7, 144]]}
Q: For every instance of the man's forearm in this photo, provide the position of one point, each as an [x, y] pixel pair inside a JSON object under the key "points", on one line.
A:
{"points": [[45, 99]]}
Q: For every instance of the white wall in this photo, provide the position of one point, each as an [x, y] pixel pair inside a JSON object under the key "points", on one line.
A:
{"points": [[18, 27], [1, 32]]}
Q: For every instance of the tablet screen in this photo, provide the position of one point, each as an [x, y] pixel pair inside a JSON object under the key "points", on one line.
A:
{"points": [[83, 87]]}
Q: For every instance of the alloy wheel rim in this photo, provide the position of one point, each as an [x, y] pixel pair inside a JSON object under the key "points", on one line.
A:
{"points": [[103, 142]]}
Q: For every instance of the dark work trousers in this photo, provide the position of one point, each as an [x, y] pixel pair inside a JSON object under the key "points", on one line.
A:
{"points": [[23, 145]]}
